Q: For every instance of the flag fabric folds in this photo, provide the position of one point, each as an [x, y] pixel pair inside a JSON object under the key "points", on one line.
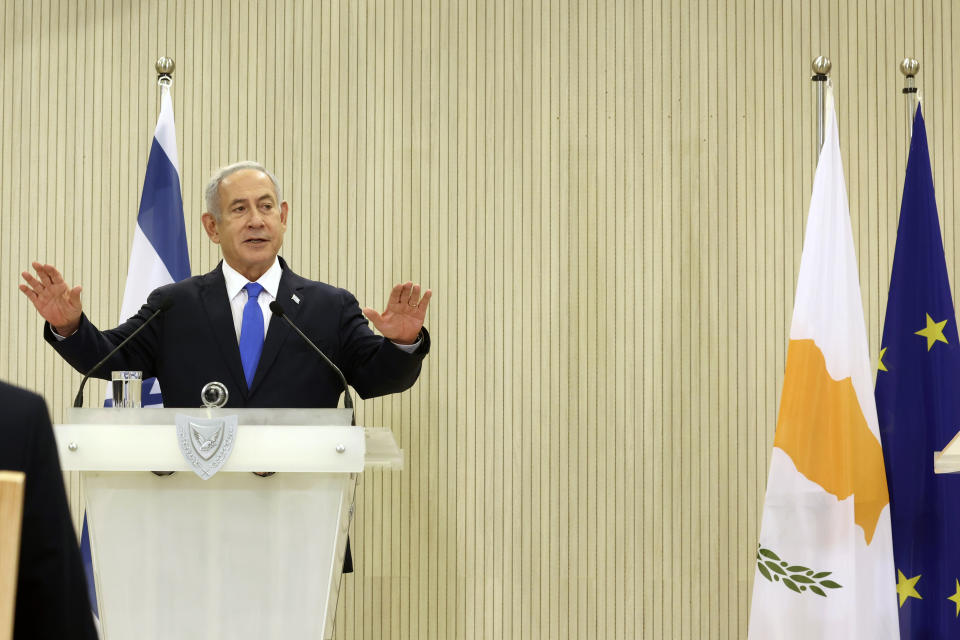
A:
{"points": [[159, 253], [824, 562], [918, 405]]}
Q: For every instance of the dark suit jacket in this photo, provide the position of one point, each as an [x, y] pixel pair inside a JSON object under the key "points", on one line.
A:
{"points": [[194, 342], [51, 587]]}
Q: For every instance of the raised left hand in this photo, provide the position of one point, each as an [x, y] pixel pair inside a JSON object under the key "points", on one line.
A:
{"points": [[403, 318]]}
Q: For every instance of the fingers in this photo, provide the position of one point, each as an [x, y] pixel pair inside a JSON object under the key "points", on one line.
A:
{"points": [[74, 296], [53, 298], [30, 293], [415, 301], [405, 290], [48, 284], [424, 301], [35, 284], [53, 274], [395, 293], [40, 272], [47, 275], [408, 296], [372, 315]]}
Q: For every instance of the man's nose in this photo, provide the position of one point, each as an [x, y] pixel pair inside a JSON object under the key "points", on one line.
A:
{"points": [[255, 219]]}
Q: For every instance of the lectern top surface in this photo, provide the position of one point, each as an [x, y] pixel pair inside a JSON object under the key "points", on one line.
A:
{"points": [[113, 415]]}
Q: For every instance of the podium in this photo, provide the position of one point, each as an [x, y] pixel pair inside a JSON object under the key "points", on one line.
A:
{"points": [[948, 460], [233, 556]]}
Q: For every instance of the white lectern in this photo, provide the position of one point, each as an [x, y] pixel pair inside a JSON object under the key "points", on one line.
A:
{"points": [[948, 460], [234, 556]]}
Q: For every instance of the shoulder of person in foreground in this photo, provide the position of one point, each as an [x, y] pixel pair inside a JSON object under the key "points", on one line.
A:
{"points": [[52, 599]]}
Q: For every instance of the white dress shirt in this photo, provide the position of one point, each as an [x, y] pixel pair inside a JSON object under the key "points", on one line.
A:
{"points": [[270, 281]]}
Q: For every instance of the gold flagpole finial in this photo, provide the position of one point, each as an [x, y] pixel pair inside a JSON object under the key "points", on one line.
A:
{"points": [[165, 67], [821, 66], [909, 67]]}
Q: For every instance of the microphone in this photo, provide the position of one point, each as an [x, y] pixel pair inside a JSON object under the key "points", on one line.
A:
{"points": [[165, 304], [278, 311]]}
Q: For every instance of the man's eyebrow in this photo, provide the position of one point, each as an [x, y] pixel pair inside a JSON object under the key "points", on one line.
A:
{"points": [[266, 196]]}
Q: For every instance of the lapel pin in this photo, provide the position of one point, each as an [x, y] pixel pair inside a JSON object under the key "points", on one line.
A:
{"points": [[295, 298]]}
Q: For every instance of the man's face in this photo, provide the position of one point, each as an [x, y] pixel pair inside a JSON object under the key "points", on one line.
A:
{"points": [[252, 222]]}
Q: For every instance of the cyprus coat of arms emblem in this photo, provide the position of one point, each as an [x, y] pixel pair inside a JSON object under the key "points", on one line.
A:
{"points": [[206, 443]]}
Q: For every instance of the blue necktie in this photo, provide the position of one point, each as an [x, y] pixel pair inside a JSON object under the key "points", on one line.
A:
{"points": [[251, 332]]}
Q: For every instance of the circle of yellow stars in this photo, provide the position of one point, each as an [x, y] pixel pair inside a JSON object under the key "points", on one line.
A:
{"points": [[907, 588]]}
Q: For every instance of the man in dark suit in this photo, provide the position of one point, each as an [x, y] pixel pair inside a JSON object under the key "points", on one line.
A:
{"points": [[218, 327], [51, 587]]}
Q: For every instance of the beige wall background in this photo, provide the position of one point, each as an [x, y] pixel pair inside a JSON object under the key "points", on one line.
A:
{"points": [[608, 200]]}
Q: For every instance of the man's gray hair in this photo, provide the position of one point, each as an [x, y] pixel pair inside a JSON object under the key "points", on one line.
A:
{"points": [[212, 192]]}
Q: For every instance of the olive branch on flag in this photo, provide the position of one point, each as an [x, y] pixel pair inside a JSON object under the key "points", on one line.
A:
{"points": [[795, 577]]}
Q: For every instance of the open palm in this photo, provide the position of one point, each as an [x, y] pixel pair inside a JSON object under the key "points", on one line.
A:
{"points": [[403, 318], [53, 298]]}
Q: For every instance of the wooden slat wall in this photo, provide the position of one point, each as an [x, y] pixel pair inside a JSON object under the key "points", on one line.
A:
{"points": [[608, 199]]}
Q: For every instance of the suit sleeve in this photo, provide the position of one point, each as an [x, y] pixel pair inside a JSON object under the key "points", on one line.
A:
{"points": [[372, 365], [89, 345]]}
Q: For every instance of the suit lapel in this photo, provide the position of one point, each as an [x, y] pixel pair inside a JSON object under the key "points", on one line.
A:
{"points": [[213, 297], [278, 330]]}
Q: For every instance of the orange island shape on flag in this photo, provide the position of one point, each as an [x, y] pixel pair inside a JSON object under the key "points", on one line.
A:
{"points": [[820, 424]]}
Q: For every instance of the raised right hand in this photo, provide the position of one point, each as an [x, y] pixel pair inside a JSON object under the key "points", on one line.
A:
{"points": [[53, 298]]}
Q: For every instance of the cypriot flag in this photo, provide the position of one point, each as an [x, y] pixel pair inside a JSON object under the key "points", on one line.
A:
{"points": [[825, 559]]}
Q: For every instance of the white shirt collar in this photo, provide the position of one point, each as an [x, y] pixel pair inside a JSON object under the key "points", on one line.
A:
{"points": [[270, 281]]}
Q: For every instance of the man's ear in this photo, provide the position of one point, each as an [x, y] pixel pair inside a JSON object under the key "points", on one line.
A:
{"points": [[284, 210], [210, 226]]}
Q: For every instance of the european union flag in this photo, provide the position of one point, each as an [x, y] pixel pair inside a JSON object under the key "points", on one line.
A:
{"points": [[918, 404]]}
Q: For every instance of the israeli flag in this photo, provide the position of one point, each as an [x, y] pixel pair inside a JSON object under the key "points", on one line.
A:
{"points": [[159, 253], [158, 257]]}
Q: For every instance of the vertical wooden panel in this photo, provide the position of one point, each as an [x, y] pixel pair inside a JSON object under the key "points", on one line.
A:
{"points": [[11, 516]]}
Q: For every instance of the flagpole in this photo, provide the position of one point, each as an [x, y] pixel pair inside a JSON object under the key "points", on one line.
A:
{"points": [[164, 67], [910, 67], [821, 68]]}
